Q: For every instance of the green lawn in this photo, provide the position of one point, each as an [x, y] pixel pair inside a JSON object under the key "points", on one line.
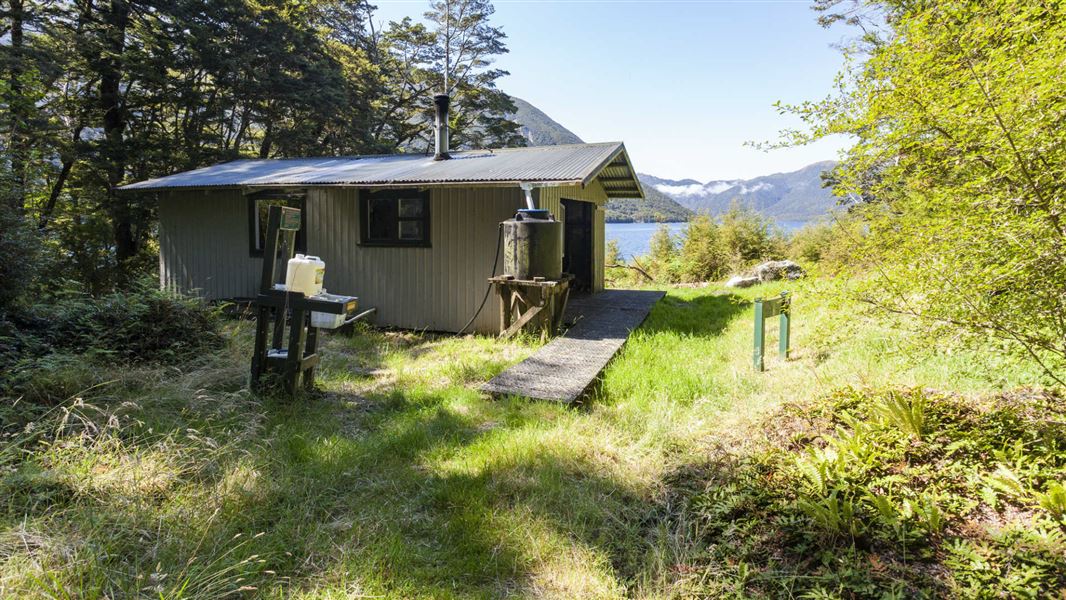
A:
{"points": [[402, 481]]}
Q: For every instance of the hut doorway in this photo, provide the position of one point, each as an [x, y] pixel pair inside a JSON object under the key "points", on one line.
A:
{"points": [[577, 242]]}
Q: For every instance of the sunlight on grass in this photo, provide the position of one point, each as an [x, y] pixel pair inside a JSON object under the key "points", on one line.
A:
{"points": [[401, 480]]}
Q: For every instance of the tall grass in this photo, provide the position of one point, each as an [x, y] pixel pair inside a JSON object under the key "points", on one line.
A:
{"points": [[401, 480]]}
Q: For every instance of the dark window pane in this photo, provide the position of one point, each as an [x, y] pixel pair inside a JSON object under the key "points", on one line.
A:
{"points": [[411, 231], [396, 217], [381, 218], [410, 208]]}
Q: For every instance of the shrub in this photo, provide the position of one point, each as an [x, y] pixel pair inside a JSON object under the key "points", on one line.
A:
{"points": [[836, 245], [612, 255], [876, 494], [142, 325], [20, 255], [663, 256], [749, 237], [811, 243], [703, 256]]}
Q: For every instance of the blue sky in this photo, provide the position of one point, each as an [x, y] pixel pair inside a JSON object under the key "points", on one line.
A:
{"points": [[683, 83]]}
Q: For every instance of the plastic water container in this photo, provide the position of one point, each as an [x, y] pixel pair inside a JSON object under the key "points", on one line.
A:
{"points": [[305, 274]]}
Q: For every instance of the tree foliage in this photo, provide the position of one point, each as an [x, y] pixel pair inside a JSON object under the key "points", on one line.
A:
{"points": [[960, 160], [97, 93]]}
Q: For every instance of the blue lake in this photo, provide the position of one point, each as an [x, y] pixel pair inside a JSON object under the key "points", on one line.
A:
{"points": [[634, 238]]}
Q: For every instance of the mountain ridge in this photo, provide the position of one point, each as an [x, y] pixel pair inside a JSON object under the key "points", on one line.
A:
{"points": [[790, 195], [793, 195]]}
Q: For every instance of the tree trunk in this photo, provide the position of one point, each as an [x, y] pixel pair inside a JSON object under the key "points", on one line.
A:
{"points": [[57, 188], [115, 22], [264, 149], [16, 106]]}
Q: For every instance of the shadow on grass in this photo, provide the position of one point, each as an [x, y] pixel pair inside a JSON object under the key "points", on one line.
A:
{"points": [[406, 492]]}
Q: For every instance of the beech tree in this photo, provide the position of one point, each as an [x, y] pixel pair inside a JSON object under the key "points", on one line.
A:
{"points": [[960, 158], [98, 93]]}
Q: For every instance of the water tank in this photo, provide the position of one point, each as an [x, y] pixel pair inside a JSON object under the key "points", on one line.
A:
{"points": [[533, 245]]}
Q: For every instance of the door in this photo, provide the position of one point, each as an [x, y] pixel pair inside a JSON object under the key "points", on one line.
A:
{"points": [[577, 241]]}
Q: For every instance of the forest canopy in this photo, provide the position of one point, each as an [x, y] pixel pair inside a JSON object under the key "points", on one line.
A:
{"points": [[97, 93]]}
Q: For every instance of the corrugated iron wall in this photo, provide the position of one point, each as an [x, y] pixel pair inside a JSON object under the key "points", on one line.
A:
{"points": [[203, 244], [437, 288], [204, 247]]}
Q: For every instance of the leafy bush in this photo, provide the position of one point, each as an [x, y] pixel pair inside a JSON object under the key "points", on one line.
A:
{"points": [[143, 324], [662, 260], [749, 237], [43, 347], [959, 162], [901, 493], [709, 249], [703, 256], [20, 257]]}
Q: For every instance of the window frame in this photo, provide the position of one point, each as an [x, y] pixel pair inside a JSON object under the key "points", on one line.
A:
{"points": [[397, 194], [293, 199]]}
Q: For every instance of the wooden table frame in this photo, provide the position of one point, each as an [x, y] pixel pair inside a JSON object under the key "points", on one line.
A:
{"points": [[538, 302]]}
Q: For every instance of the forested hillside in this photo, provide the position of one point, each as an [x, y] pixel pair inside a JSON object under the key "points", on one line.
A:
{"points": [[656, 207], [798, 195], [538, 128]]}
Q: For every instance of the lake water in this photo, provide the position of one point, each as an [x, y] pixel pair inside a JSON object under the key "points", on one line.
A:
{"points": [[634, 238]]}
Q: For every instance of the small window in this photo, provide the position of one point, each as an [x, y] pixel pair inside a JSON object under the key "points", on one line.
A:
{"points": [[258, 208], [395, 218]]}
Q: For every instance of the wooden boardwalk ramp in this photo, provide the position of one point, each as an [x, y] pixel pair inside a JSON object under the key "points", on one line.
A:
{"points": [[565, 368]]}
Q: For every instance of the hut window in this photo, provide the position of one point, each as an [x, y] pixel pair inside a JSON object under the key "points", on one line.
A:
{"points": [[258, 206], [395, 218]]}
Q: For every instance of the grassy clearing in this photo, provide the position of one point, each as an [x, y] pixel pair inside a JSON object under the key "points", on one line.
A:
{"points": [[401, 481]]}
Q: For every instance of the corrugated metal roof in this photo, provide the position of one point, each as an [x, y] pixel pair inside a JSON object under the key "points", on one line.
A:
{"points": [[564, 164]]}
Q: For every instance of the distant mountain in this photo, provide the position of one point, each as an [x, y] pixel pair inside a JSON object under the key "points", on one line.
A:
{"points": [[656, 207], [541, 130], [795, 196], [538, 128]]}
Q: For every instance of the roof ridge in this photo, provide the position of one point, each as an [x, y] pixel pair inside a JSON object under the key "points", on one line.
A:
{"points": [[417, 154]]}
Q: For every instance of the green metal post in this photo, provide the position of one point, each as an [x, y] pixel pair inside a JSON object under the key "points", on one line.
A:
{"points": [[786, 310], [760, 335]]}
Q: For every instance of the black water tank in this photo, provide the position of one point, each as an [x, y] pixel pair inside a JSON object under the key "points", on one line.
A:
{"points": [[533, 245]]}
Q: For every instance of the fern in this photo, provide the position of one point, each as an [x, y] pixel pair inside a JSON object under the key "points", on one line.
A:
{"points": [[905, 412], [1053, 499]]}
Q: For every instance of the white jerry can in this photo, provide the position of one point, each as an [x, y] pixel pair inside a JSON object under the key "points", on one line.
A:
{"points": [[305, 274]]}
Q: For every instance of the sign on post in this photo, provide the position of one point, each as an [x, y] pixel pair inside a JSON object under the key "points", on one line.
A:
{"points": [[290, 219], [764, 309]]}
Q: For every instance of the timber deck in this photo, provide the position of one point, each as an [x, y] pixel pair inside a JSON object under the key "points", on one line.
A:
{"points": [[565, 368]]}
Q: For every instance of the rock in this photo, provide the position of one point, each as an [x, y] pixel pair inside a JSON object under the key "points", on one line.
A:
{"points": [[779, 269], [742, 281]]}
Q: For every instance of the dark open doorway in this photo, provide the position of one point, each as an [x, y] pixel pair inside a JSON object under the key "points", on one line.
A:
{"points": [[577, 241]]}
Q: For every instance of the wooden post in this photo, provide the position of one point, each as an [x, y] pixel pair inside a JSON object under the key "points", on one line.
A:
{"points": [[312, 348], [783, 343], [295, 354], [505, 306], [760, 335]]}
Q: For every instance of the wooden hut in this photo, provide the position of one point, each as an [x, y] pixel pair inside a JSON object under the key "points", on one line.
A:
{"points": [[412, 236]]}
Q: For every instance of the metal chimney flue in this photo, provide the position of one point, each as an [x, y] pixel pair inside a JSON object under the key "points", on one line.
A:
{"points": [[441, 102]]}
